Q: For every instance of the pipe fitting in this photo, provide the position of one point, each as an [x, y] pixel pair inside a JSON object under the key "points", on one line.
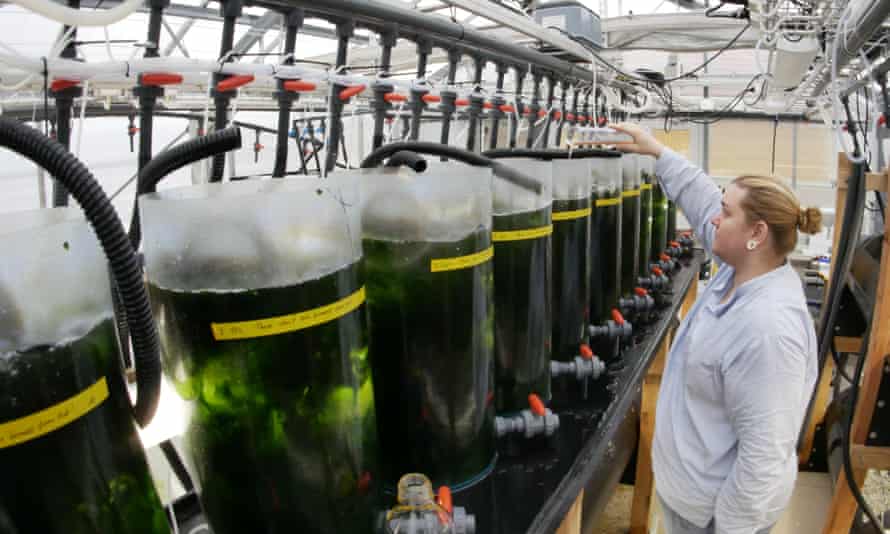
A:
{"points": [[617, 328], [538, 420], [581, 368]]}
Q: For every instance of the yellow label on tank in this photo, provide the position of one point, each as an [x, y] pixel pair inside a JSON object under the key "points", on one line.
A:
{"points": [[519, 235], [53, 418], [646, 187], [288, 323], [570, 214], [631, 193], [461, 262], [600, 202]]}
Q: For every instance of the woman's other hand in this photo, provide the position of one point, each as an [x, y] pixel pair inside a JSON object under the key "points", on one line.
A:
{"points": [[643, 142]]}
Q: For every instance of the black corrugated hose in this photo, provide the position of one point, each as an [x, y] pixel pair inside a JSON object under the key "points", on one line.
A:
{"points": [[500, 170], [125, 267], [214, 144]]}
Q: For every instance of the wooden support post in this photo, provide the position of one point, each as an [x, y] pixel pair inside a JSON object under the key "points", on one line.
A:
{"points": [[572, 522], [877, 356]]}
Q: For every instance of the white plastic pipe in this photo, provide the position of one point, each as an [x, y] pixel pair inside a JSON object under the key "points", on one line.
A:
{"points": [[77, 17]]}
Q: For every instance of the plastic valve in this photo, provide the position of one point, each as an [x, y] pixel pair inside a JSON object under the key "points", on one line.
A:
{"points": [[444, 498], [431, 99], [507, 108], [157, 79], [60, 84], [350, 92], [487, 105], [570, 116], [536, 405], [233, 82], [542, 114], [585, 351], [298, 86], [617, 317], [394, 97], [462, 102], [557, 115]]}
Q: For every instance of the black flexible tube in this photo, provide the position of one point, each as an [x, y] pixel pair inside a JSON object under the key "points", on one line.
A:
{"points": [[125, 266], [500, 170], [63, 135], [214, 144], [407, 158], [285, 99]]}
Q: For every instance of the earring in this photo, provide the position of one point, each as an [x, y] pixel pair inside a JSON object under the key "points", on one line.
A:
{"points": [[752, 244]]}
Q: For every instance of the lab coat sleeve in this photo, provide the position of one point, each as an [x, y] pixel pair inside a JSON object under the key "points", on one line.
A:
{"points": [[763, 384], [693, 191]]}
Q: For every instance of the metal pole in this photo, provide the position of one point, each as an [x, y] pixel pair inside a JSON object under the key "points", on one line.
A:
{"points": [[476, 103], [345, 29], [286, 98], [498, 101], [230, 11], [550, 90], [514, 123]]}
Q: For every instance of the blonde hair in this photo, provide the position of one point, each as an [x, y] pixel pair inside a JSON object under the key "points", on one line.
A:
{"points": [[770, 200]]}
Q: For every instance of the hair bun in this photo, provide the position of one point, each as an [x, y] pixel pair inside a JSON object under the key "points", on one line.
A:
{"points": [[809, 220]]}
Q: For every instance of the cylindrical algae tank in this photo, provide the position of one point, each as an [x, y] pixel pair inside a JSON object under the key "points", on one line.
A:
{"points": [[70, 456], [427, 241], [647, 181], [571, 264], [605, 234], [630, 222], [671, 221], [659, 220], [522, 230], [260, 301]]}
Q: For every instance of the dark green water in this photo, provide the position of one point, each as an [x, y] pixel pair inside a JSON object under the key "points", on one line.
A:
{"points": [[605, 254], [646, 216], [523, 316], [659, 221], [432, 343], [630, 235], [571, 278], [282, 432], [89, 476], [671, 221]]}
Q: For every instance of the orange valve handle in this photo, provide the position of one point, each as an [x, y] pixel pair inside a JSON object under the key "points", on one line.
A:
{"points": [[394, 97], [526, 111], [617, 317], [445, 500], [657, 270], [350, 92], [431, 99], [160, 78], [298, 86], [487, 105], [665, 257], [542, 113], [536, 405], [557, 115], [586, 353], [60, 84], [582, 118], [640, 291], [507, 108], [462, 102], [602, 121], [570, 116], [674, 244], [233, 82]]}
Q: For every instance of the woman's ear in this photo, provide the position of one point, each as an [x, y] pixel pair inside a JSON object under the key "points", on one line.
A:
{"points": [[760, 232]]}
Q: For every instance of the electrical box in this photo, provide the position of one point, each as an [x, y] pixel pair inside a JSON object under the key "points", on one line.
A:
{"points": [[572, 17]]}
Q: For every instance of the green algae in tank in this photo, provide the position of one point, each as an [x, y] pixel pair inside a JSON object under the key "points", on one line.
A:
{"points": [[646, 216], [630, 236], [671, 221], [432, 342], [659, 221], [605, 254], [88, 476], [571, 276], [523, 318], [282, 431]]}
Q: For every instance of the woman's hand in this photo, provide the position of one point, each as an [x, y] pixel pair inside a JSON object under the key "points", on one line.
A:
{"points": [[643, 142]]}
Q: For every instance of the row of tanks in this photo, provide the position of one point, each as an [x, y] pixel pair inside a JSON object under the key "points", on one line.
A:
{"points": [[342, 346]]}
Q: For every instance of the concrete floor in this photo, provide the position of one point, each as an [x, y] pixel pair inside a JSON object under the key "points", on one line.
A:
{"points": [[806, 513]]}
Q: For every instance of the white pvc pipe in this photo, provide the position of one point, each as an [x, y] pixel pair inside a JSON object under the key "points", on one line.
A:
{"points": [[77, 17]]}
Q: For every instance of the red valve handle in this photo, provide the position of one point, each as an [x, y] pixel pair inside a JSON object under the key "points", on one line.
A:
{"points": [[233, 82], [160, 78], [617, 317], [542, 113], [657, 270], [882, 119], [298, 86], [461, 102], [557, 115], [582, 118], [507, 108], [394, 97], [586, 353], [445, 500], [431, 99], [258, 147], [60, 84], [350, 92], [134, 130], [640, 291], [526, 111], [674, 244], [602, 121], [487, 105], [536, 405], [570, 116], [665, 257]]}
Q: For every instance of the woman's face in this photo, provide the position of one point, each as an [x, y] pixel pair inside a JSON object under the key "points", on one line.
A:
{"points": [[732, 227]]}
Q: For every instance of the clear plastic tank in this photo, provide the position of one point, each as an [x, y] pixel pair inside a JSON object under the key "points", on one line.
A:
{"points": [[647, 181], [258, 291], [605, 235], [71, 459], [630, 222]]}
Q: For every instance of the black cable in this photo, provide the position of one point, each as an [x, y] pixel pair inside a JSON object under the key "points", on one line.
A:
{"points": [[837, 362]]}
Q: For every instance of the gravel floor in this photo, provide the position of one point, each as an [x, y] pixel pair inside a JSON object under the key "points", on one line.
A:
{"points": [[877, 490]]}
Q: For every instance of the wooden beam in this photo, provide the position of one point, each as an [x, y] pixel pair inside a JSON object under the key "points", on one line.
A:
{"points": [[572, 522], [876, 181], [642, 501], [820, 406], [866, 457], [843, 505], [848, 344]]}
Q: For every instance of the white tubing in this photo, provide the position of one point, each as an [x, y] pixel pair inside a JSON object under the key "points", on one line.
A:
{"points": [[77, 17]]}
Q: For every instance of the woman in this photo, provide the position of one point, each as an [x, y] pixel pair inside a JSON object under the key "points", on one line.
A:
{"points": [[743, 363]]}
